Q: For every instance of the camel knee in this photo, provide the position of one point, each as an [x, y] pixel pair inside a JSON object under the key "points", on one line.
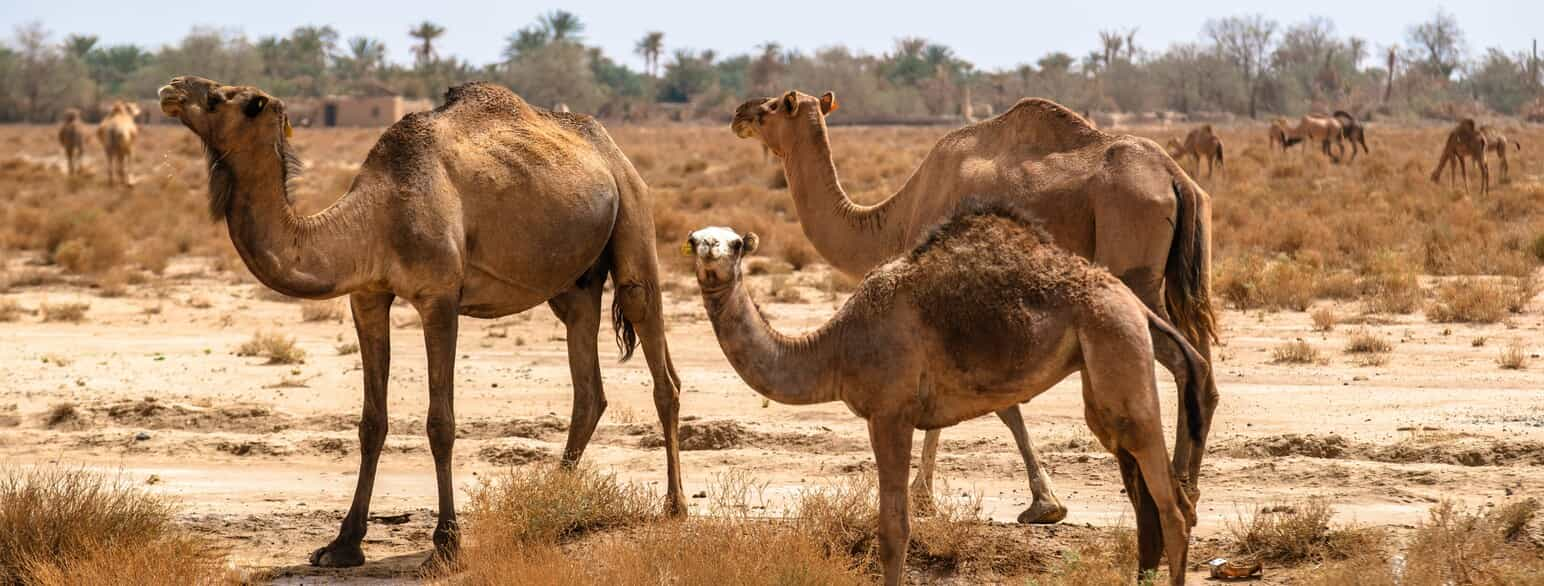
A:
{"points": [[442, 434], [372, 430]]}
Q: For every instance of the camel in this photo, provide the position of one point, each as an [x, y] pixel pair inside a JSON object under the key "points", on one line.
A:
{"points": [[1117, 200], [483, 207], [1311, 128], [984, 314], [117, 133], [1496, 141], [1353, 131], [1200, 143], [1464, 141], [73, 136]]}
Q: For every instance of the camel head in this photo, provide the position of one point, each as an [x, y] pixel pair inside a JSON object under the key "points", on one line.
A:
{"points": [[776, 120], [718, 252], [71, 115], [226, 117]]}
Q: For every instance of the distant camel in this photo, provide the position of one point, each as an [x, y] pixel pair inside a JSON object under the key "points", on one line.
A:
{"points": [[483, 207], [1497, 142], [1353, 131], [73, 136], [1199, 143], [1465, 141], [1312, 128], [117, 133], [983, 314]]}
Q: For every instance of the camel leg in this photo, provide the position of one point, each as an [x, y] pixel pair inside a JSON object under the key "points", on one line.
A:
{"points": [[372, 324], [1045, 508], [638, 295], [891, 440], [1149, 526], [922, 486], [579, 310], [440, 321]]}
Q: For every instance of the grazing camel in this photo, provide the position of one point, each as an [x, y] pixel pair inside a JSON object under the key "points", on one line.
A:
{"points": [[483, 207], [1496, 141], [1199, 143], [117, 133], [1353, 131], [1117, 200], [72, 136], [983, 315], [1311, 128], [1464, 141]]}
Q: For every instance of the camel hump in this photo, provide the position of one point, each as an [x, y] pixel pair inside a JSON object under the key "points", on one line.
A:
{"points": [[1042, 121], [484, 96], [1344, 114]]}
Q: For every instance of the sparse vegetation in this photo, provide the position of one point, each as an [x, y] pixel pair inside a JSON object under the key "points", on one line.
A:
{"points": [[347, 348], [1324, 319], [1469, 300], [1300, 532], [277, 348], [1363, 341], [1513, 357], [1295, 352], [1461, 546], [10, 310], [64, 312], [314, 311]]}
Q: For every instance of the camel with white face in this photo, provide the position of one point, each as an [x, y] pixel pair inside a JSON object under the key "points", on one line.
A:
{"points": [[117, 133], [1200, 143], [484, 207], [1464, 141], [1312, 129], [983, 315], [1117, 200], [73, 136]]}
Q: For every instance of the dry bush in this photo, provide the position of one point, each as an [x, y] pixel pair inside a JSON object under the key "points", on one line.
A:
{"points": [[10, 310], [1295, 352], [1367, 570], [1459, 546], [1300, 532], [60, 414], [66, 526], [347, 348], [1324, 319], [277, 348], [1513, 357], [1520, 291], [1390, 286], [1363, 341], [1109, 559], [1469, 300], [1252, 283], [783, 290], [550, 504], [64, 312], [313, 311]]}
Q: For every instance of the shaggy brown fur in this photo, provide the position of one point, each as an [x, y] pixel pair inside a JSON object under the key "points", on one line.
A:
{"points": [[72, 136], [984, 314]]}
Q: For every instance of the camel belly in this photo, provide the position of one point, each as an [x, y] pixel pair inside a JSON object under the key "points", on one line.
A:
{"points": [[522, 254]]}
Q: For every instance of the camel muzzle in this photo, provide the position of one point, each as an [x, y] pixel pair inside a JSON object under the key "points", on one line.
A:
{"points": [[171, 100]]}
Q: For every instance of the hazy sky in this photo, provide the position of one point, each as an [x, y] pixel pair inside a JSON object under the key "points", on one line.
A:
{"points": [[989, 36]]}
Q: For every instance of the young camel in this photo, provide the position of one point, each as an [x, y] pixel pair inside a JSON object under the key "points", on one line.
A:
{"points": [[1117, 200], [484, 207], [1311, 128], [1497, 142], [983, 315], [1200, 143], [117, 133], [1464, 141], [72, 136]]}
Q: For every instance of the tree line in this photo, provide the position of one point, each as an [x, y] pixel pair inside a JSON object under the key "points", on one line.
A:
{"points": [[1246, 65]]}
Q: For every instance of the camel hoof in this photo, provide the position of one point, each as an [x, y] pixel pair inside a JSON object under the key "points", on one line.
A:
{"points": [[338, 556], [1040, 513]]}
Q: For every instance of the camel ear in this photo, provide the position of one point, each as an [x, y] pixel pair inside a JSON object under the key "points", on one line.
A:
{"points": [[689, 247], [828, 103], [790, 103], [255, 106], [751, 241]]}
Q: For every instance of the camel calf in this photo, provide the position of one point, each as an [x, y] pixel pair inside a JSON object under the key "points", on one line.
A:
{"points": [[117, 133], [985, 314], [72, 136]]}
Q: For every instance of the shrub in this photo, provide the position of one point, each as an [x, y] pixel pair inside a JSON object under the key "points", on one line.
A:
{"points": [[64, 312], [1513, 357], [1295, 352], [313, 311], [1324, 319], [1364, 341], [277, 348], [1301, 532], [1469, 300], [1459, 546]]}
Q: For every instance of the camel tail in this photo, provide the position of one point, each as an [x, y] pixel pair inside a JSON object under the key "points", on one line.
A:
{"points": [[1219, 153], [627, 337], [1187, 274], [1518, 145], [1198, 371]]}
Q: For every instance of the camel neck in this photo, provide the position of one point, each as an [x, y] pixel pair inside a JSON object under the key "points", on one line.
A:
{"points": [[316, 256], [786, 369], [852, 237]]}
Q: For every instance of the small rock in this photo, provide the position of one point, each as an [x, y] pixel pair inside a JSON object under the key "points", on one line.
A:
{"points": [[700, 495], [141, 436]]}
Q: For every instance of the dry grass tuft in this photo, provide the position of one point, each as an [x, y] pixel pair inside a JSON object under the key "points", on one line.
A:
{"points": [[1459, 546], [1295, 352], [60, 414], [1301, 532], [1363, 341], [64, 526], [1324, 319], [64, 312], [314, 311], [550, 504], [277, 348], [1513, 357], [1470, 300], [1109, 559]]}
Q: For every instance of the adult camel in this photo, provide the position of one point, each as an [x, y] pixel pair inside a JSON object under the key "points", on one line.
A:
{"points": [[984, 314], [1117, 200], [1466, 140], [1353, 131], [1200, 143], [72, 136], [483, 207], [1318, 129]]}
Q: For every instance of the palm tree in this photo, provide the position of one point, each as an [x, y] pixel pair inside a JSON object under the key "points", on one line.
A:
{"points": [[525, 41], [650, 46], [562, 25], [426, 32], [366, 56], [79, 45]]}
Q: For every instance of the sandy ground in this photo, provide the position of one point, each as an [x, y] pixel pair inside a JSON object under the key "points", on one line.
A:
{"points": [[264, 457]]}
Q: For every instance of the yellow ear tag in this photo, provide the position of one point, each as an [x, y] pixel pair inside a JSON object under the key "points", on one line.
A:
{"points": [[288, 131], [686, 249]]}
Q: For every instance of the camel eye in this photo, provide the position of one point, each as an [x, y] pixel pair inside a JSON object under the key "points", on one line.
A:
{"points": [[736, 246], [213, 102]]}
